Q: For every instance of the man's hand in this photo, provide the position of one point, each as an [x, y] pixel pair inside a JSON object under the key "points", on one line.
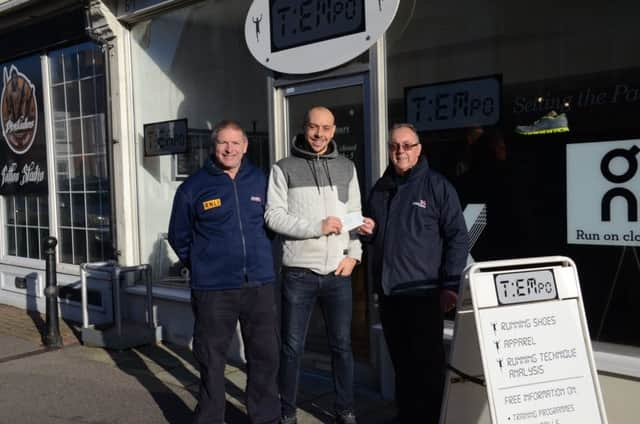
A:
{"points": [[448, 300], [367, 227], [346, 265], [331, 225]]}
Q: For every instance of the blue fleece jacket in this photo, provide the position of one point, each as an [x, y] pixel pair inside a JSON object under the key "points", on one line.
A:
{"points": [[420, 241], [217, 228]]}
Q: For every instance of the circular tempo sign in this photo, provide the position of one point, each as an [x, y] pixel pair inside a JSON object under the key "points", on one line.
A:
{"points": [[306, 36]]}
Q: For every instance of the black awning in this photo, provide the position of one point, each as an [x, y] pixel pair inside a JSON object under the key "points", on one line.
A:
{"points": [[50, 31]]}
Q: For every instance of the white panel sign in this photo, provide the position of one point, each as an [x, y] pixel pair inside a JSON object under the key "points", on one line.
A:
{"points": [[536, 358], [603, 192], [522, 352], [458, 104], [306, 36]]}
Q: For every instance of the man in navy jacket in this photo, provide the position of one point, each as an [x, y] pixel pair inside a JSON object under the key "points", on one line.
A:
{"points": [[416, 255], [217, 230]]}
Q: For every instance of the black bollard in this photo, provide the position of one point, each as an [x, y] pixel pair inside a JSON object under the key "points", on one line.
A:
{"points": [[52, 337]]}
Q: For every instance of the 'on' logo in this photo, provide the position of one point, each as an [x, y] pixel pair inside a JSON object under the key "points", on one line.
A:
{"points": [[19, 111], [630, 156]]}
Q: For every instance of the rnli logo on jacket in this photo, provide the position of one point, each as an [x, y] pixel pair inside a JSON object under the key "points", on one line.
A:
{"points": [[19, 113], [210, 204], [256, 199], [421, 204]]}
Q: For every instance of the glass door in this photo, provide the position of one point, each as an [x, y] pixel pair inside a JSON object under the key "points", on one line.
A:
{"points": [[347, 98]]}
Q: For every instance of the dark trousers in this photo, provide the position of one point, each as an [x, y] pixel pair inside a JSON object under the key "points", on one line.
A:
{"points": [[300, 290], [216, 315], [413, 331]]}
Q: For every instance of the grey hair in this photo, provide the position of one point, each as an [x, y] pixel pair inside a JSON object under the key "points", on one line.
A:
{"points": [[224, 124], [404, 125]]}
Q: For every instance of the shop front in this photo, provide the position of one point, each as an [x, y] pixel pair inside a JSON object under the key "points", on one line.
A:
{"points": [[193, 63], [505, 107], [54, 156], [529, 111]]}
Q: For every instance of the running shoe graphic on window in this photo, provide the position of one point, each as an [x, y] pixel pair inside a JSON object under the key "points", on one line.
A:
{"points": [[550, 123]]}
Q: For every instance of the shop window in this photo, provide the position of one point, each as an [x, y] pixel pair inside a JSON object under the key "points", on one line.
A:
{"points": [[27, 225], [82, 189], [23, 160], [564, 89]]}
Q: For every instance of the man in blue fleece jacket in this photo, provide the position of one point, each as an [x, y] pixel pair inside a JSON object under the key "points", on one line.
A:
{"points": [[417, 252], [217, 230]]}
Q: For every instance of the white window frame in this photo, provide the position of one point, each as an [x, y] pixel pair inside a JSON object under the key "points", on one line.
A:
{"points": [[54, 230], [37, 264]]}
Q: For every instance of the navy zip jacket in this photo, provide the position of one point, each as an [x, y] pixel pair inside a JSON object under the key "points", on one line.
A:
{"points": [[420, 240], [217, 228]]}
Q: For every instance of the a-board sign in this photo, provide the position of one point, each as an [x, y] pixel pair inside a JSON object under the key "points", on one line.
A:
{"points": [[521, 351]]}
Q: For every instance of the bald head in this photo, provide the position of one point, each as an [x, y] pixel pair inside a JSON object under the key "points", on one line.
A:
{"points": [[320, 110], [319, 128]]}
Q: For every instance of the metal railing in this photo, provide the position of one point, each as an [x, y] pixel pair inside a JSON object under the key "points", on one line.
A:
{"points": [[116, 271]]}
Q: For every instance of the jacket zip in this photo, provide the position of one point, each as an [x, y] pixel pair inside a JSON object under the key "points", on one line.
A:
{"points": [[324, 203], [386, 240], [244, 244]]}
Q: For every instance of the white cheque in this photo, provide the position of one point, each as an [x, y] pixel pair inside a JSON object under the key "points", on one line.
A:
{"points": [[352, 220]]}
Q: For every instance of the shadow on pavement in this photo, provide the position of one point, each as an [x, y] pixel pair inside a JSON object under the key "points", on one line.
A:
{"points": [[133, 363], [160, 369], [69, 330], [32, 312], [233, 414]]}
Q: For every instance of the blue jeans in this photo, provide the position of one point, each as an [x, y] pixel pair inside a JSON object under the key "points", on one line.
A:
{"points": [[300, 290]]}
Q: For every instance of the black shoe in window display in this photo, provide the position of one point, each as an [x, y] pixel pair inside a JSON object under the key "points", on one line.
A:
{"points": [[550, 123]]}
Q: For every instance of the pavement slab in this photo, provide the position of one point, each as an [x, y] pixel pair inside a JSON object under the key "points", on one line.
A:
{"points": [[11, 346], [151, 384], [48, 388], [31, 325]]}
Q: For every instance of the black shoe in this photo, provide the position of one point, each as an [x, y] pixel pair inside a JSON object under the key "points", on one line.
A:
{"points": [[347, 417]]}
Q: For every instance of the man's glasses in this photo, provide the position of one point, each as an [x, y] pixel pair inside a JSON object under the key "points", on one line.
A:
{"points": [[394, 147]]}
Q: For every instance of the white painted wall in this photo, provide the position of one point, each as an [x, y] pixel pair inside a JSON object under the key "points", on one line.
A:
{"points": [[190, 63]]}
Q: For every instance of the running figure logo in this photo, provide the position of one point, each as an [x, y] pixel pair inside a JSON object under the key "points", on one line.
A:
{"points": [[257, 22], [19, 113]]}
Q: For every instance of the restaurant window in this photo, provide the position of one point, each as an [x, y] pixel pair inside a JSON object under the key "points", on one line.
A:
{"points": [[27, 225], [77, 76], [23, 159]]}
